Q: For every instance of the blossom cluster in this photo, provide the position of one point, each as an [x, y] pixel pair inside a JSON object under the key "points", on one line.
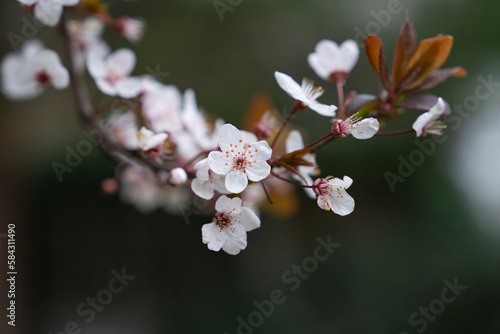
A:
{"points": [[170, 150]]}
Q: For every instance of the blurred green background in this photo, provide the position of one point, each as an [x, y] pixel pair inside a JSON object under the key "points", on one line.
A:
{"points": [[396, 249]]}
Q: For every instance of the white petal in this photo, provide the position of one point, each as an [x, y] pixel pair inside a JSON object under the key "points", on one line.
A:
{"points": [[69, 2], [122, 62], [438, 109], [323, 203], [219, 163], [365, 128], [249, 219], [212, 237], [261, 151], [290, 86], [48, 12], [323, 109], [236, 241], [350, 54], [236, 181], [248, 137], [294, 142], [229, 134], [202, 170], [421, 122], [202, 189], [342, 204], [129, 88], [228, 205], [28, 2], [258, 171], [316, 63]]}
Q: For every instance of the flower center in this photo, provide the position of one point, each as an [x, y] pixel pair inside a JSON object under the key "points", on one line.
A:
{"points": [[112, 77], [240, 163], [321, 187], [435, 127], [222, 219], [43, 78]]}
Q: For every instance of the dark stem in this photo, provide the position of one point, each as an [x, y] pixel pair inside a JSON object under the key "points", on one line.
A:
{"points": [[283, 126], [290, 181]]}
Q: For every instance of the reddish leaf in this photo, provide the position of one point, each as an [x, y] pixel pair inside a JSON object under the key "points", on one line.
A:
{"points": [[373, 47], [405, 48], [439, 76], [430, 55], [384, 75]]}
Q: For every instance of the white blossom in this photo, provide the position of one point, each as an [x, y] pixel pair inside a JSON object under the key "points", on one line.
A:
{"points": [[229, 227], [330, 58], [305, 95], [359, 128], [112, 73], [240, 160], [148, 140], [29, 72], [332, 195]]}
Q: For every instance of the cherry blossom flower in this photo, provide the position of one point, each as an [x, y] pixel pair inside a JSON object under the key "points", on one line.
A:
{"points": [[207, 182], [294, 142], [130, 28], [161, 107], [240, 160], [428, 122], [332, 195], [331, 61], [27, 74], [49, 12], [148, 140], [112, 73], [359, 128], [305, 96], [229, 227]]}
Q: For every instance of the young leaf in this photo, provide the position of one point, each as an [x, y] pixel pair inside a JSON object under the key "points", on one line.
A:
{"points": [[405, 48]]}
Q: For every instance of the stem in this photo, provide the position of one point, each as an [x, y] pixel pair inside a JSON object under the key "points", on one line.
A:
{"points": [[283, 126], [267, 194], [340, 92], [394, 133], [290, 181], [319, 141]]}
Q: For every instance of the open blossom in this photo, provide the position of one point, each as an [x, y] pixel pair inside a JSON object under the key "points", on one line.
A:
{"points": [[331, 61], [148, 140], [112, 73], [207, 182], [241, 159], [27, 74], [229, 227], [305, 96], [332, 195], [130, 28], [359, 128], [429, 123], [294, 142], [49, 11]]}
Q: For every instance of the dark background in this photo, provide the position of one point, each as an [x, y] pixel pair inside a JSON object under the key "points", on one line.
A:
{"points": [[396, 249]]}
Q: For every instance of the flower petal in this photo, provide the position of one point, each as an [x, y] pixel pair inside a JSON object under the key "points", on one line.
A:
{"points": [[202, 189], [219, 163], [248, 219], [258, 171], [294, 141], [236, 240], [261, 151], [290, 86], [229, 134], [211, 236], [121, 62], [323, 109], [226, 204], [350, 54], [342, 204], [48, 12], [236, 181], [366, 128]]}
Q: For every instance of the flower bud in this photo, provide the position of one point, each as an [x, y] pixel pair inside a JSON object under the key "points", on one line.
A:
{"points": [[177, 176]]}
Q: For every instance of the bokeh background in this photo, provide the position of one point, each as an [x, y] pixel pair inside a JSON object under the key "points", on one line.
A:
{"points": [[396, 249]]}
